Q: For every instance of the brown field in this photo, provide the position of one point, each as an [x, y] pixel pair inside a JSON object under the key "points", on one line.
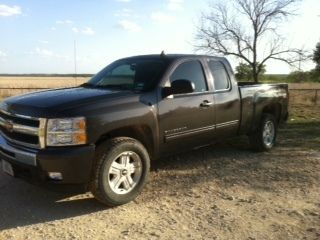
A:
{"points": [[56, 82], [313, 85], [35, 82], [50, 82], [296, 96]]}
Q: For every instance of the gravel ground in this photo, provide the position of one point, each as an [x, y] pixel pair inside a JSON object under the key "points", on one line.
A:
{"points": [[223, 191]]}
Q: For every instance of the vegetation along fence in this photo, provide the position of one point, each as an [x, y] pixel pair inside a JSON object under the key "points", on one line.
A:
{"points": [[305, 96], [297, 96]]}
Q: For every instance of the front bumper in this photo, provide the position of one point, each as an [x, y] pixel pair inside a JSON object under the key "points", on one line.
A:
{"points": [[74, 163]]}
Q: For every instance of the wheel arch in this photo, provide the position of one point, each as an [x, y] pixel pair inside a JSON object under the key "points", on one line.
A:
{"points": [[142, 133], [273, 109]]}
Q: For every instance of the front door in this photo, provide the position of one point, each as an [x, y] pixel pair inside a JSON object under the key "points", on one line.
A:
{"points": [[187, 120]]}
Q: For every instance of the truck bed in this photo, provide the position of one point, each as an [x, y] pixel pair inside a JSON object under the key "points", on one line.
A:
{"points": [[255, 97]]}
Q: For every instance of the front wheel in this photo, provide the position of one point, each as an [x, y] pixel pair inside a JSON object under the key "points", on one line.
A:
{"points": [[120, 172], [264, 138]]}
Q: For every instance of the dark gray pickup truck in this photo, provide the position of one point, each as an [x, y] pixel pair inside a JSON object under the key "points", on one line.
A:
{"points": [[103, 133]]}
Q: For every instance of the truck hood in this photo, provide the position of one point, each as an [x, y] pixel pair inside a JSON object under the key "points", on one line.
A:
{"points": [[58, 100]]}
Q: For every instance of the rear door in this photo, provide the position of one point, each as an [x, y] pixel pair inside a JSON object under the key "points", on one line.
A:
{"points": [[226, 98], [187, 120]]}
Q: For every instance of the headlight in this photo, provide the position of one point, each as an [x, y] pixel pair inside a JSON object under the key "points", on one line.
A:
{"points": [[66, 131]]}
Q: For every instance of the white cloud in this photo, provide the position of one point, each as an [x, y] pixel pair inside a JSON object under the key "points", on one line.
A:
{"points": [[129, 26], [124, 13], [47, 54], [161, 17], [64, 22], [7, 11], [74, 29], [175, 5], [43, 41], [43, 52], [87, 31], [2, 54], [124, 1], [53, 28]]}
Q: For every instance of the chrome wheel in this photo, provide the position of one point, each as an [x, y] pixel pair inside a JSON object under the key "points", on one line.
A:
{"points": [[268, 133], [125, 172]]}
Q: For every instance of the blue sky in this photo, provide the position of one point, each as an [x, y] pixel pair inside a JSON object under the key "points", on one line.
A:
{"points": [[38, 36]]}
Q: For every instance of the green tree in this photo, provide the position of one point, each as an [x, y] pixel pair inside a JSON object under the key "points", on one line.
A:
{"points": [[244, 72], [316, 56]]}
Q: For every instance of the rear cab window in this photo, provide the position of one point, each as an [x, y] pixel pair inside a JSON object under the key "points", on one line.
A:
{"points": [[221, 78]]}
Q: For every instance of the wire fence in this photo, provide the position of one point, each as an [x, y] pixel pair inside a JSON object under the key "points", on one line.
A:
{"points": [[305, 96], [297, 96]]}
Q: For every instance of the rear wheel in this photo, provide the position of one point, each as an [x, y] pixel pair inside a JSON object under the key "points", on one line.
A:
{"points": [[120, 172], [264, 138]]}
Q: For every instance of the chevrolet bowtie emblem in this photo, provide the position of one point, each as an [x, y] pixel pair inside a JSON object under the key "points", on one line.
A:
{"points": [[8, 126]]}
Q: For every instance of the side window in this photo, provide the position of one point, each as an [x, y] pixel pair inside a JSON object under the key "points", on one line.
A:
{"points": [[193, 72], [221, 78]]}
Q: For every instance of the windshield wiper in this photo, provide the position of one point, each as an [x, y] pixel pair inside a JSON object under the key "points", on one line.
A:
{"points": [[87, 85], [108, 86], [114, 86]]}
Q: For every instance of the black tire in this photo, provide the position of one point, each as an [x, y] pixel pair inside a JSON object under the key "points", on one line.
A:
{"points": [[256, 138], [106, 154]]}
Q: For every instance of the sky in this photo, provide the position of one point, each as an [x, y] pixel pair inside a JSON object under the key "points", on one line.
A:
{"points": [[41, 36]]}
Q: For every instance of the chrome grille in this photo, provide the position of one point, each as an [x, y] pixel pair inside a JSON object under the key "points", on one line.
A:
{"points": [[22, 130]]}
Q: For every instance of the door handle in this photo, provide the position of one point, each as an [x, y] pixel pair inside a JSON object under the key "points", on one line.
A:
{"points": [[206, 104]]}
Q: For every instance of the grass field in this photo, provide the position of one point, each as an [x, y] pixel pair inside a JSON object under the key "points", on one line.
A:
{"points": [[296, 97], [36, 82], [58, 82]]}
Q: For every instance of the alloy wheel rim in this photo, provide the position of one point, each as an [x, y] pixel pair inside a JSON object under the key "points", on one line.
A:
{"points": [[125, 172], [268, 133]]}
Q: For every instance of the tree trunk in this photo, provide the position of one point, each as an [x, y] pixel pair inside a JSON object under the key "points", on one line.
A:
{"points": [[255, 75]]}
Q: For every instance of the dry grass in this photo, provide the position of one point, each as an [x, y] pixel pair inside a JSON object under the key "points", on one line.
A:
{"points": [[35, 82], [311, 85], [52, 82], [296, 97]]}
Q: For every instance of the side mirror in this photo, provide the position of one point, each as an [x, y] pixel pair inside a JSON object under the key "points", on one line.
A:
{"points": [[178, 87]]}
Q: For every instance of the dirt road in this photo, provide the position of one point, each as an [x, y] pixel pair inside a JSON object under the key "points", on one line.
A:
{"points": [[219, 192]]}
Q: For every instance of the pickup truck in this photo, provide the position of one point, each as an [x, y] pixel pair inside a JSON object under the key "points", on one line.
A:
{"points": [[103, 133]]}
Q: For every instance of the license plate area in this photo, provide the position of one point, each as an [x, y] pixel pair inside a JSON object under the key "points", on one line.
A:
{"points": [[7, 168]]}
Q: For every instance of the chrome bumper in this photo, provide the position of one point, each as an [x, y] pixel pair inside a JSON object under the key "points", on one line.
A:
{"points": [[17, 155]]}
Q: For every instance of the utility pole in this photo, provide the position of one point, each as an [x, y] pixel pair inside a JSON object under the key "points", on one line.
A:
{"points": [[75, 61]]}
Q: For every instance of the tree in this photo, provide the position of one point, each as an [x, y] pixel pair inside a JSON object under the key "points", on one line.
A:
{"points": [[316, 56], [248, 29], [244, 72]]}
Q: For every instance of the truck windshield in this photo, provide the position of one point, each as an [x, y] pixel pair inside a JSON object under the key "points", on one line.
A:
{"points": [[129, 74]]}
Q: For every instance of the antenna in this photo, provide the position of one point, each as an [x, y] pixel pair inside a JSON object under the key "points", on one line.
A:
{"points": [[75, 60]]}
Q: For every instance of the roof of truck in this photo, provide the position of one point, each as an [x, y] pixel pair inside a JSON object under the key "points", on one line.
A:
{"points": [[176, 56]]}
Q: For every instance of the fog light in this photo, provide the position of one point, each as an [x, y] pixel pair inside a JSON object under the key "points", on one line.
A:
{"points": [[55, 175]]}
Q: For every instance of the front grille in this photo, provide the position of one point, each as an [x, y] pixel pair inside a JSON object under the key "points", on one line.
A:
{"points": [[20, 120], [21, 137], [20, 130]]}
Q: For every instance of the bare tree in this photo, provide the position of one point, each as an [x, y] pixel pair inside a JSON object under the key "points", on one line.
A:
{"points": [[248, 29]]}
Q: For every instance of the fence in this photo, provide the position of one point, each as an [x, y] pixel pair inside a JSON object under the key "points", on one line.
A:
{"points": [[305, 96], [297, 96]]}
